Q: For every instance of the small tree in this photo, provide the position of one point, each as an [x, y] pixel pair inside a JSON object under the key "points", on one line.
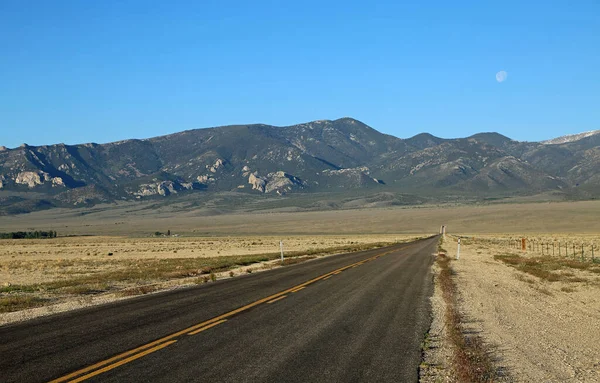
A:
{"points": [[168, 233]]}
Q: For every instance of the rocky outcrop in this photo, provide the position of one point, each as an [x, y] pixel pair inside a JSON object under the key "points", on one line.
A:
{"points": [[218, 163], [278, 182], [2, 181], [258, 183], [165, 188], [162, 188], [57, 181], [353, 177], [281, 183], [31, 179], [348, 171], [187, 185], [205, 179], [245, 171]]}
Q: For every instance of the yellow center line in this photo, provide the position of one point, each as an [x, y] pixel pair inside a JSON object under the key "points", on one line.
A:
{"points": [[167, 340], [206, 327], [277, 299], [295, 291], [124, 361]]}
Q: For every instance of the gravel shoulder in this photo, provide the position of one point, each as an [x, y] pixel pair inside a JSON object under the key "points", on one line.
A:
{"points": [[539, 331], [437, 350]]}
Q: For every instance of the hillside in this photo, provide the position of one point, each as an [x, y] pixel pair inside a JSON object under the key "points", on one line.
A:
{"points": [[339, 156]]}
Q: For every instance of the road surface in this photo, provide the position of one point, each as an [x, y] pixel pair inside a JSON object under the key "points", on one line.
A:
{"points": [[357, 317]]}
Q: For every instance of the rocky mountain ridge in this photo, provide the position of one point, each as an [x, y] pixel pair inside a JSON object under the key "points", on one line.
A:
{"points": [[570, 137], [319, 156]]}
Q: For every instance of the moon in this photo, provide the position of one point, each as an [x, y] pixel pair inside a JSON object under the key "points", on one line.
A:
{"points": [[501, 76]]}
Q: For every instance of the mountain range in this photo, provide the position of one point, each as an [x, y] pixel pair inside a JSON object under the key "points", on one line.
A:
{"points": [[316, 157]]}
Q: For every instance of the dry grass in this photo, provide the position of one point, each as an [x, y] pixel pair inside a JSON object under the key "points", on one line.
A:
{"points": [[581, 247], [551, 269], [14, 303]]}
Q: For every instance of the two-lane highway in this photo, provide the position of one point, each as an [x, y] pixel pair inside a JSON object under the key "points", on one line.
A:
{"points": [[353, 317]]}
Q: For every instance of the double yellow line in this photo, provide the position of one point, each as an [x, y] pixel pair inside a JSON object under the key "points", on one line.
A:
{"points": [[136, 353]]}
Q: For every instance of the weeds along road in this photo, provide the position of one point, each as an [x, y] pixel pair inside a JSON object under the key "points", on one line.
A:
{"points": [[354, 317]]}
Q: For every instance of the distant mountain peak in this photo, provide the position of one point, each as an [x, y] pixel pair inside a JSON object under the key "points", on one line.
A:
{"points": [[491, 138], [490, 134], [348, 119], [424, 140], [570, 138], [425, 135]]}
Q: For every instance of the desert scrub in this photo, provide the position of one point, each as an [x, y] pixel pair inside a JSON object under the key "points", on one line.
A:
{"points": [[551, 269], [20, 302]]}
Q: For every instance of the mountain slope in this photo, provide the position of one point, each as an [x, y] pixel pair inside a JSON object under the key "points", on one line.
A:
{"points": [[320, 156]]}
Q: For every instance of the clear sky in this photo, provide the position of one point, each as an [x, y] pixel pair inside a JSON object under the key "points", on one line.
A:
{"points": [[100, 71]]}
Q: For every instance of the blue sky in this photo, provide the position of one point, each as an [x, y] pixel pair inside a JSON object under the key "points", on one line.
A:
{"points": [[100, 71]]}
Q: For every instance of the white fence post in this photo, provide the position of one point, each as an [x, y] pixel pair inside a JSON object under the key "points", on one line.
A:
{"points": [[281, 248], [458, 250]]}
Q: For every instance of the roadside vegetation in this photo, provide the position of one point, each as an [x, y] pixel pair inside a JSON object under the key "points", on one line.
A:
{"points": [[551, 269]]}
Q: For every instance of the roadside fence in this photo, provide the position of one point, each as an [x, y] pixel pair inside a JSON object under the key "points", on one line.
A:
{"points": [[582, 250]]}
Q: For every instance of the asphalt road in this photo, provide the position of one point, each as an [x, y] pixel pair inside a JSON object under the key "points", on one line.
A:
{"points": [[357, 317]]}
